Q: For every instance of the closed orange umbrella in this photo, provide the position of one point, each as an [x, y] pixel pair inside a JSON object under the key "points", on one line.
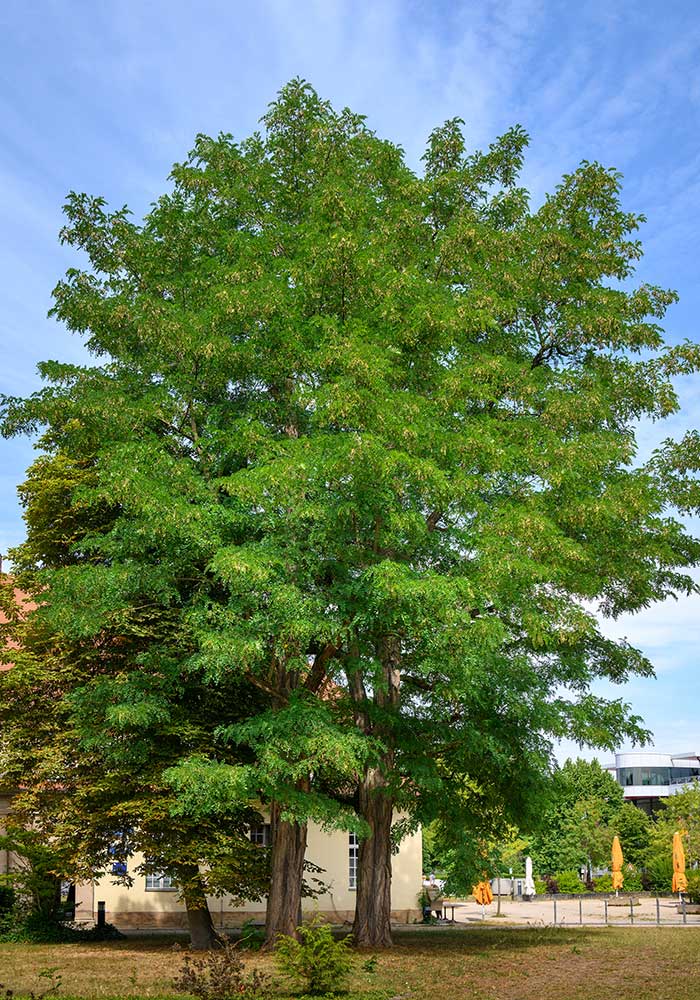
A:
{"points": [[482, 893], [680, 882], [617, 860]]}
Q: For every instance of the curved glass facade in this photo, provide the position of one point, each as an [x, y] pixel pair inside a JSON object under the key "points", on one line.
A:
{"points": [[644, 776], [656, 775]]}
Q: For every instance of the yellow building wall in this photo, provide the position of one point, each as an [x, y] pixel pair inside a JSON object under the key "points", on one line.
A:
{"points": [[137, 907]]}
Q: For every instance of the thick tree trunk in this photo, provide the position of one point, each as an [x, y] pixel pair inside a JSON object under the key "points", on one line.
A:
{"points": [[203, 936], [372, 926], [283, 914]]}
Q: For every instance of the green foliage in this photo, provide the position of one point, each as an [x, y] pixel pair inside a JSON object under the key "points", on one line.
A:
{"points": [[8, 898], [317, 960], [575, 829], [33, 928], [570, 881], [348, 429], [678, 812], [633, 827], [693, 890], [659, 872], [33, 885], [541, 887], [252, 937], [633, 881], [221, 975]]}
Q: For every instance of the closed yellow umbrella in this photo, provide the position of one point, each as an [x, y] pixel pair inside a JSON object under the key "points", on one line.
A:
{"points": [[617, 860], [680, 882], [482, 893]]}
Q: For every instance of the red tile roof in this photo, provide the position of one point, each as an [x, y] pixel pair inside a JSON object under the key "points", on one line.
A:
{"points": [[26, 605]]}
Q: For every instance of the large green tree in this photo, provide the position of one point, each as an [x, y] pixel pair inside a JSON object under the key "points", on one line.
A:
{"points": [[372, 433]]}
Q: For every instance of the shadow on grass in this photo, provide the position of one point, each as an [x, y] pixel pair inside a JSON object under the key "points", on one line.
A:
{"points": [[487, 939]]}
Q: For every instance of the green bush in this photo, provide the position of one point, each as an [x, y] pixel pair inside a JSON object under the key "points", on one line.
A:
{"points": [[659, 872], [7, 899], [317, 960], [632, 881], [569, 882], [36, 928], [252, 937], [540, 887], [603, 883], [693, 890]]}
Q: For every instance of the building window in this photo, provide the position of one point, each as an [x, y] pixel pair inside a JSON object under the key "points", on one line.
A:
{"points": [[353, 853], [160, 883], [628, 776], [260, 834]]}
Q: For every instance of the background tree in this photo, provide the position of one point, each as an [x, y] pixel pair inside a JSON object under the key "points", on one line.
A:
{"points": [[112, 745], [678, 812], [577, 827], [633, 827], [373, 430]]}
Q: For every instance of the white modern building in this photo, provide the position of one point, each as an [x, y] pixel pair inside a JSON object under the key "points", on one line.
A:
{"points": [[648, 777]]}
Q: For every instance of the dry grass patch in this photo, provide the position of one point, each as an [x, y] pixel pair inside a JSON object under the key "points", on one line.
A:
{"points": [[533, 964]]}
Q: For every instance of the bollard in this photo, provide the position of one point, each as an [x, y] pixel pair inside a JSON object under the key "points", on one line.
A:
{"points": [[606, 912], [101, 914], [555, 912], [685, 919], [658, 911], [631, 910], [580, 911]]}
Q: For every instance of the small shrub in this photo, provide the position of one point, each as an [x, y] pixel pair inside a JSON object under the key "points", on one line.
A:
{"points": [[603, 883], [693, 890], [570, 882], [317, 960], [252, 937], [221, 975], [632, 881], [659, 873], [540, 887]]}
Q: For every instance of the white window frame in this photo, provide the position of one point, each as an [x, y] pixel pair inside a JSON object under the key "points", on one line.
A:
{"points": [[160, 883], [260, 834], [353, 857]]}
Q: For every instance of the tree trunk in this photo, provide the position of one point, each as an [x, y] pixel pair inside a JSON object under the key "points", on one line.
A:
{"points": [[203, 936], [283, 914], [372, 925]]}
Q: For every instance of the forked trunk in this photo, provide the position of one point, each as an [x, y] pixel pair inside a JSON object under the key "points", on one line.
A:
{"points": [[288, 849], [372, 926], [203, 936]]}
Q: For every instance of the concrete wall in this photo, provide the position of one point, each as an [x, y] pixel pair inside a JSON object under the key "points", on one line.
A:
{"points": [[138, 907]]}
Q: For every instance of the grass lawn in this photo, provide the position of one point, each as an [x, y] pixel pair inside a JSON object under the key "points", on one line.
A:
{"points": [[533, 964]]}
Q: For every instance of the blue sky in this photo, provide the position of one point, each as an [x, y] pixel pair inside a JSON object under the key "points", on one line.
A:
{"points": [[103, 96]]}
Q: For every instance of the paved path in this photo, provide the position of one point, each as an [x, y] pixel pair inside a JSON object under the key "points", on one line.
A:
{"points": [[540, 912]]}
